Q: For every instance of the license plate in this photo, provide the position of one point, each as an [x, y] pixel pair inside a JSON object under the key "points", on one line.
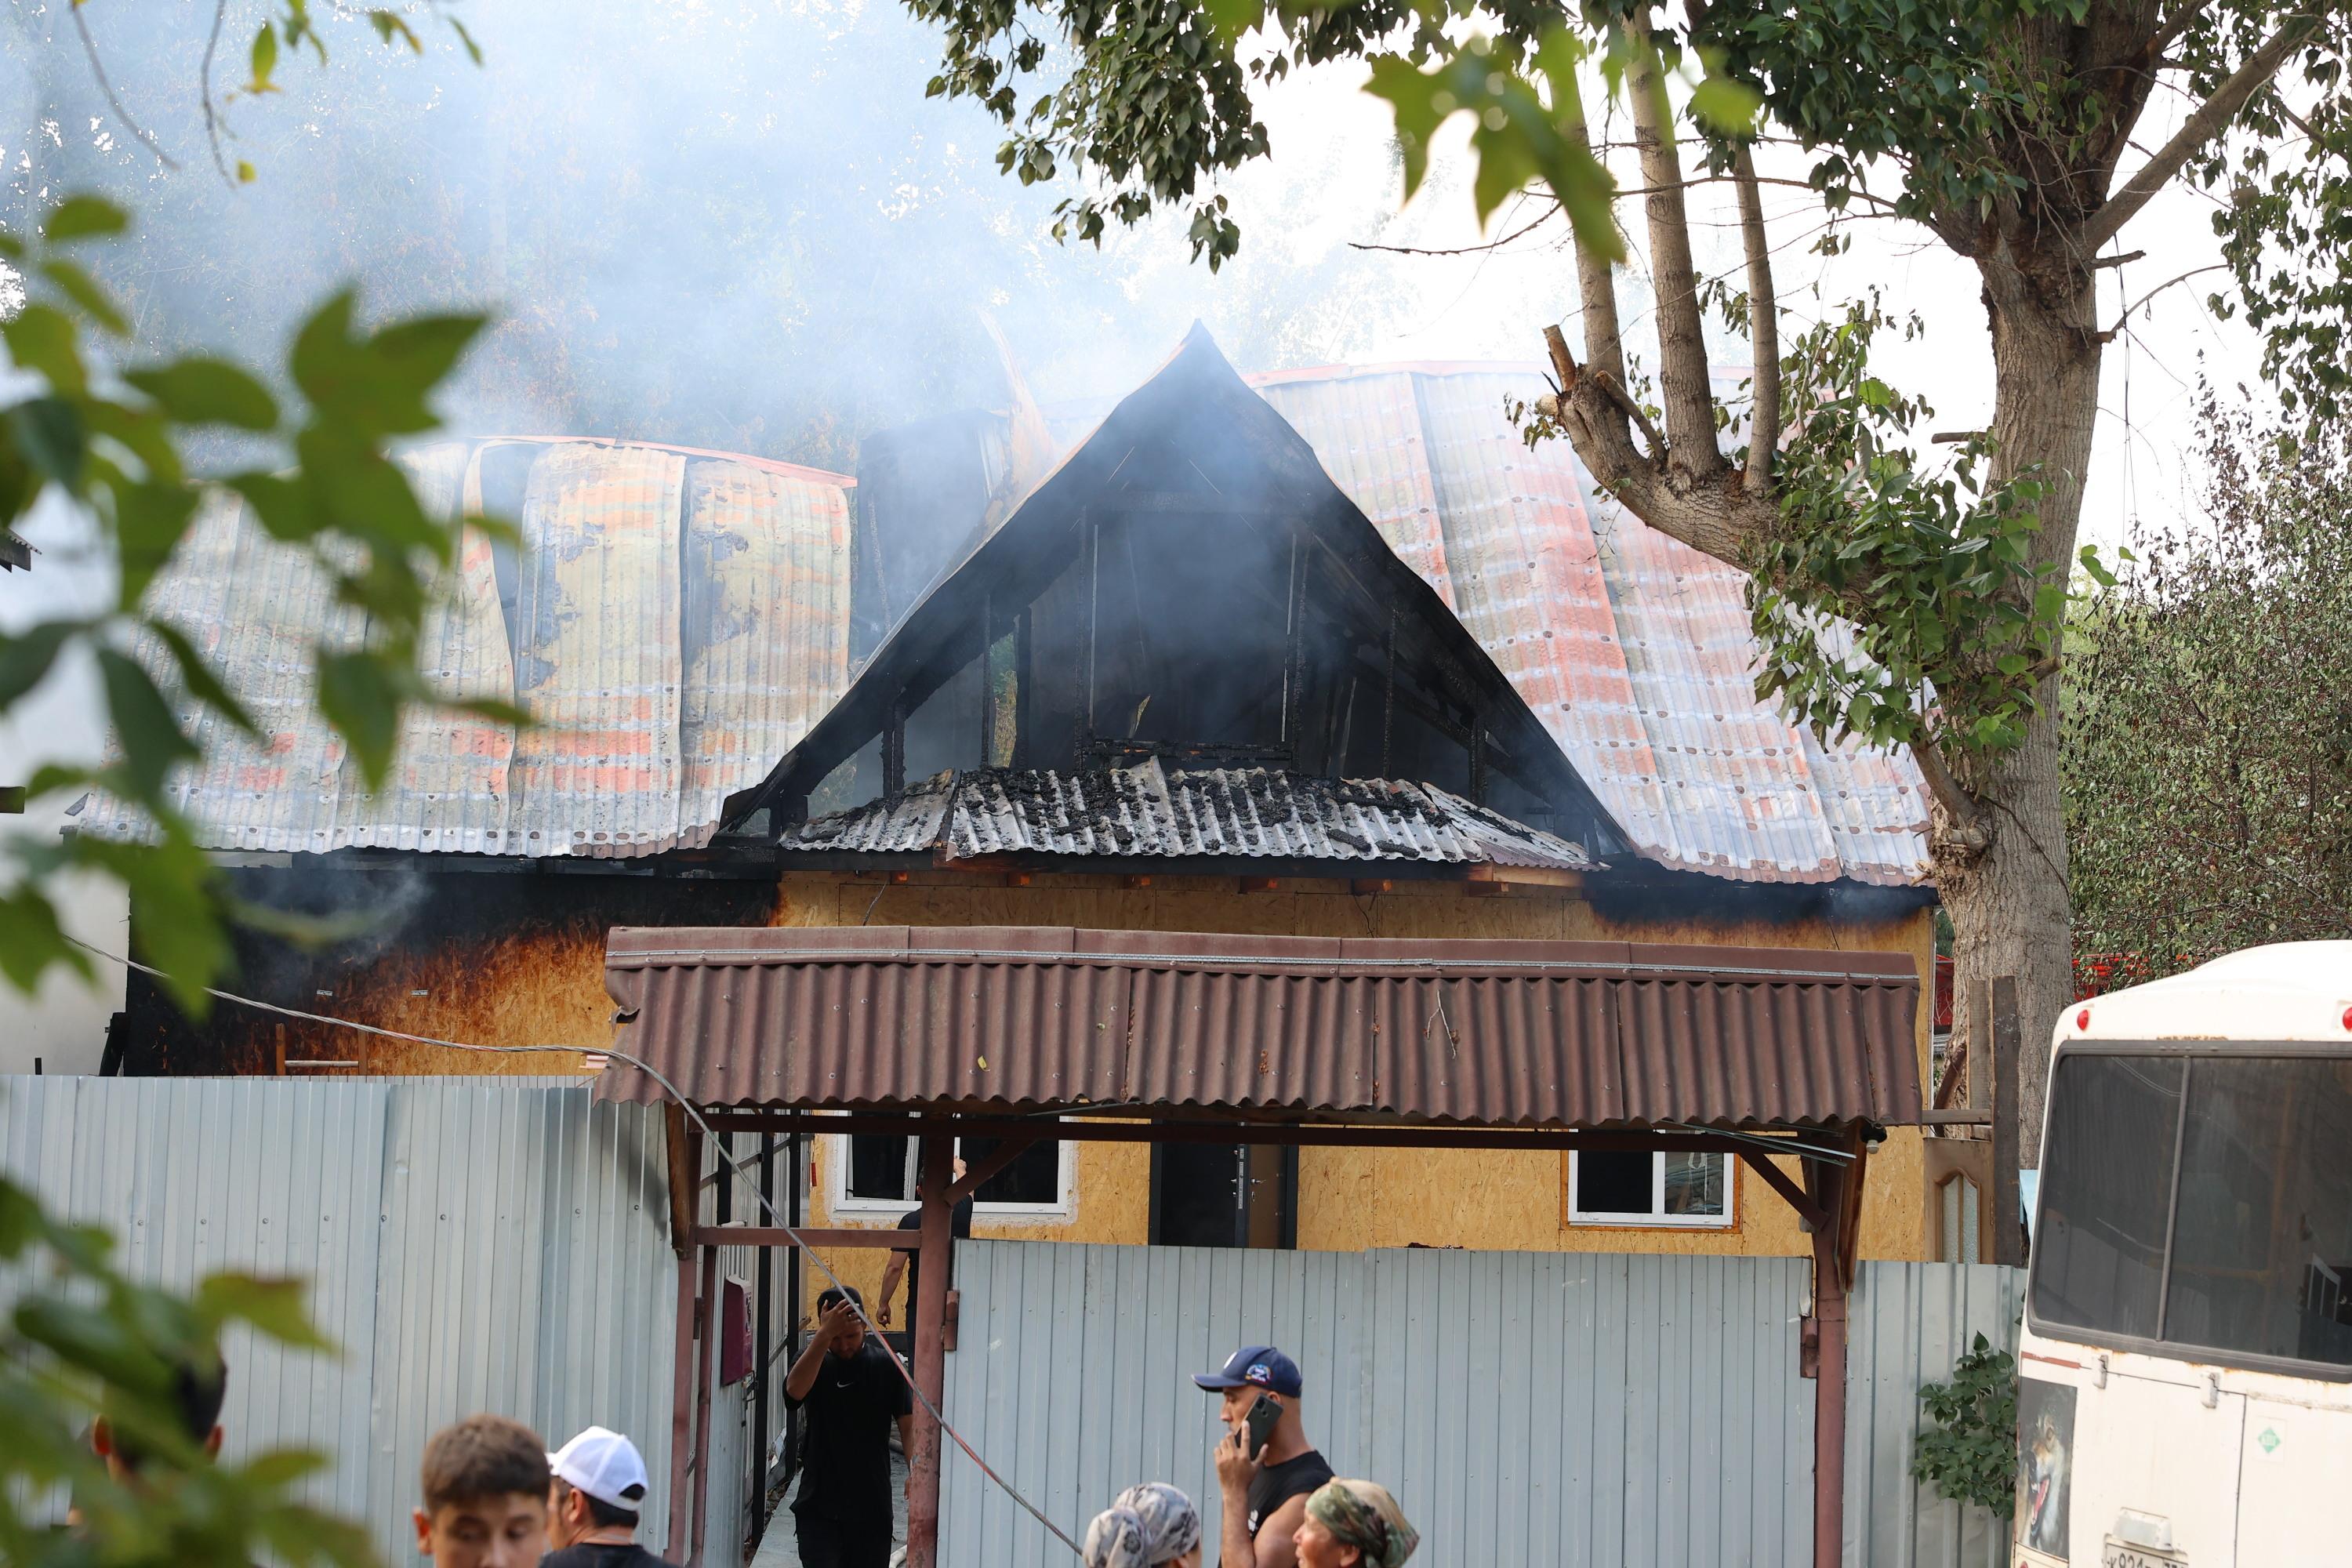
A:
{"points": [[2119, 1555]]}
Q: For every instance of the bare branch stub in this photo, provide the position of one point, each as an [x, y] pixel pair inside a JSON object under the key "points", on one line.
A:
{"points": [[113, 99]]}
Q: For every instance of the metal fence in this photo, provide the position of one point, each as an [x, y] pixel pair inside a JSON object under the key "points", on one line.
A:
{"points": [[1608, 1411], [471, 1244]]}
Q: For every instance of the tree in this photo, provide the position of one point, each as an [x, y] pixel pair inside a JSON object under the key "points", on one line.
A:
{"points": [[82, 1340], [1904, 601], [93, 423], [2208, 763]]}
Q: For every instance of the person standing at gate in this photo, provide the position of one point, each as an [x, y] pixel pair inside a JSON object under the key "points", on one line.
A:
{"points": [[851, 1387], [1266, 1466]]}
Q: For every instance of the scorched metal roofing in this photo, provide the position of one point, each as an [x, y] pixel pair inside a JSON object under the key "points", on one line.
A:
{"points": [[1498, 1034], [1632, 650], [1143, 810], [677, 620]]}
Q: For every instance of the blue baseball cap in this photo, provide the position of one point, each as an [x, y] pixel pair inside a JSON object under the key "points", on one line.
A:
{"points": [[1254, 1366]]}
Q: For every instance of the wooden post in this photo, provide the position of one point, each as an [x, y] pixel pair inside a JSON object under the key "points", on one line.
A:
{"points": [[706, 1325], [685, 1154], [1829, 1188], [937, 1252], [2009, 1231]]}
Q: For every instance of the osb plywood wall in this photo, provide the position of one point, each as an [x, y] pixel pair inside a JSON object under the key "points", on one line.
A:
{"points": [[1348, 1199]]}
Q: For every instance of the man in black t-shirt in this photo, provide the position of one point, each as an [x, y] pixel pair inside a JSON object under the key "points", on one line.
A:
{"points": [[1265, 1492], [907, 1261], [598, 1490], [851, 1388]]}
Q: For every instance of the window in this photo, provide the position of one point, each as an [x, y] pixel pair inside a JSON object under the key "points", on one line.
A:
{"points": [[874, 1173], [2201, 1201], [1626, 1187]]}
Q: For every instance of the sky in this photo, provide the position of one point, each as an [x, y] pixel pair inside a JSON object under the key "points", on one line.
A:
{"points": [[772, 242]]}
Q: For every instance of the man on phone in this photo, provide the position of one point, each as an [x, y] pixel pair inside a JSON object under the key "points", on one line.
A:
{"points": [[1265, 1466], [850, 1387]]}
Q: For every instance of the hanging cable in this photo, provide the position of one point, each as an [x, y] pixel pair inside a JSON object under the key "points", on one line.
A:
{"points": [[709, 1136]]}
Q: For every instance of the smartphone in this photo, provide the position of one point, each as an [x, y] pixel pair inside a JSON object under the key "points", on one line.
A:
{"points": [[1261, 1420]]}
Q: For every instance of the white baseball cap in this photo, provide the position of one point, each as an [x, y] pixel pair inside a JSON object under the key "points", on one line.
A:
{"points": [[605, 1465]]}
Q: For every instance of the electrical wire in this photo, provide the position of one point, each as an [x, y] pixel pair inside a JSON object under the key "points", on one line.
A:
{"points": [[671, 1089]]}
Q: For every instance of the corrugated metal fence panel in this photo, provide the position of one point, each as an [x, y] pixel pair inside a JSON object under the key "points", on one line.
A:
{"points": [[1910, 1323], [1073, 1375], [471, 1246]]}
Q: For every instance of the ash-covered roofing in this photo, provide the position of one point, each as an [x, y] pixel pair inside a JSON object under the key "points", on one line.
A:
{"points": [[1144, 810], [1632, 650], [678, 620]]}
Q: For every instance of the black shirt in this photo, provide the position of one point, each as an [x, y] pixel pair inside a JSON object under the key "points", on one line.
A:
{"points": [[598, 1555], [845, 1456], [1277, 1484], [959, 1226]]}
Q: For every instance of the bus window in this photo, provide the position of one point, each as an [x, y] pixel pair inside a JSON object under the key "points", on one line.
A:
{"points": [[2106, 1184], [2263, 1236]]}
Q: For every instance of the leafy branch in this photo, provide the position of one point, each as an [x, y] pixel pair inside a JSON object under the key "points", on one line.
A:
{"points": [[106, 439], [1968, 1450]]}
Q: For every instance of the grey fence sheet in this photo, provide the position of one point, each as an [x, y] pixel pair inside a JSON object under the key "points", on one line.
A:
{"points": [[1590, 1410], [472, 1243]]}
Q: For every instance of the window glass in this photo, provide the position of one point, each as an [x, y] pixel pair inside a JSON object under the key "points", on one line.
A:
{"points": [[878, 1169], [1694, 1184], [1622, 1186], [2106, 1185], [1035, 1176], [2264, 1238], [1612, 1181]]}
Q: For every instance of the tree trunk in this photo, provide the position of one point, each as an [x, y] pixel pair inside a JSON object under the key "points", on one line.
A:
{"points": [[2009, 903]]}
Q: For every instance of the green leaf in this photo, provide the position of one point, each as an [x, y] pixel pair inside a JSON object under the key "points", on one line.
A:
{"points": [[88, 292], [492, 708], [360, 696], [203, 391], [31, 940], [42, 338], [84, 217], [473, 49], [273, 1306], [153, 742], [49, 433], [375, 387], [388, 25], [1723, 106], [150, 521], [1232, 18], [203, 683], [26, 656], [264, 60]]}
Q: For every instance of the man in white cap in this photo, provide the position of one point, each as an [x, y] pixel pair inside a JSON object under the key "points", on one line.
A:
{"points": [[593, 1501]]}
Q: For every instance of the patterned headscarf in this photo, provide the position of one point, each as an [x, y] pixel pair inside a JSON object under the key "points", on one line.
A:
{"points": [[1361, 1514], [1144, 1526]]}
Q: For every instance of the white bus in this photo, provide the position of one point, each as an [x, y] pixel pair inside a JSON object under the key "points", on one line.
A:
{"points": [[2185, 1392]]}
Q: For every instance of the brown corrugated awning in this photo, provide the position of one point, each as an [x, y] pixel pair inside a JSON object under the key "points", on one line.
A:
{"points": [[1487, 1034]]}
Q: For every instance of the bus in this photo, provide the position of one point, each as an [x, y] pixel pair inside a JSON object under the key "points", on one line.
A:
{"points": [[2185, 1367]]}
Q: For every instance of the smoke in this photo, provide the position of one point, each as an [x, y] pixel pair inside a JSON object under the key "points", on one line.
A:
{"points": [[739, 227]]}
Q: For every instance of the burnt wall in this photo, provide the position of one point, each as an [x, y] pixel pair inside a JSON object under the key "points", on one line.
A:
{"points": [[493, 958]]}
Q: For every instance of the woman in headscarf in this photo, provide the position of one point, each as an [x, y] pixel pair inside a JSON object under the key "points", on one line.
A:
{"points": [[1353, 1524], [1146, 1527]]}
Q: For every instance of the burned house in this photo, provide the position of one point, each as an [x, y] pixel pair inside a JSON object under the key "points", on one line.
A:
{"points": [[1324, 655]]}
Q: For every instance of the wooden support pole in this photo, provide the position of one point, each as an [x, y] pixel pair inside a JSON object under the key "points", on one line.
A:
{"points": [[1829, 1187], [2009, 1231], [681, 1414], [706, 1324], [937, 1252]]}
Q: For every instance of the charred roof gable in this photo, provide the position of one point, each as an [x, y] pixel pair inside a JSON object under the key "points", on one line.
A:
{"points": [[1187, 584]]}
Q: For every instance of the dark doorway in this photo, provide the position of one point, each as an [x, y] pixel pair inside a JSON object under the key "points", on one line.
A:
{"points": [[1224, 1195]]}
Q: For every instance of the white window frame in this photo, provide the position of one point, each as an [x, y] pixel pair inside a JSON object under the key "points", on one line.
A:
{"points": [[838, 1200], [1657, 1218]]}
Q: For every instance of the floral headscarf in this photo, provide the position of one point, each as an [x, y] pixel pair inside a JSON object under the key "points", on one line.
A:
{"points": [[1361, 1514], [1144, 1526]]}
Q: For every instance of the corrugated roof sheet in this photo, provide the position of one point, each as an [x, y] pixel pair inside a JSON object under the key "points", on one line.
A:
{"points": [[678, 619], [1499, 1034], [1144, 810], [1634, 649]]}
